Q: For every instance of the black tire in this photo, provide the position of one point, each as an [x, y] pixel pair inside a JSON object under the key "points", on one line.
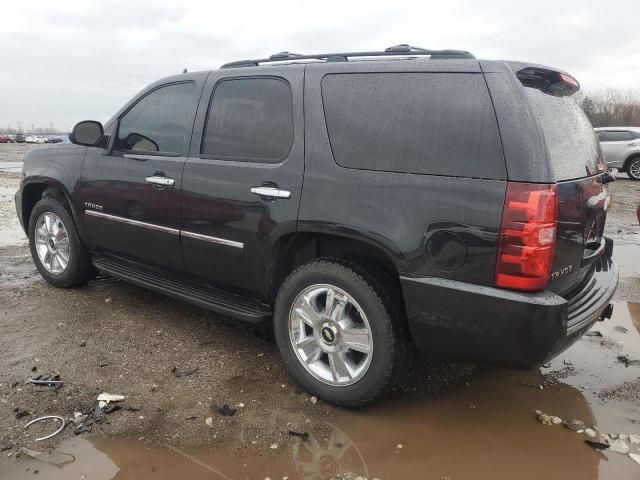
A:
{"points": [[383, 308], [79, 269], [633, 164]]}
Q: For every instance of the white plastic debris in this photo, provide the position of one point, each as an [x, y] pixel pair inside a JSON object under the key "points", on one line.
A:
{"points": [[313, 400], [620, 447], [635, 457], [209, 422], [634, 439], [273, 446], [105, 398], [590, 432]]}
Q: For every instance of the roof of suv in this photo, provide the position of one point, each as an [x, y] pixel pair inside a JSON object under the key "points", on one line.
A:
{"points": [[402, 50]]}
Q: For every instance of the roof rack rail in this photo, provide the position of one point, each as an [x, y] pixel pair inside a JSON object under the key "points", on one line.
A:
{"points": [[397, 50]]}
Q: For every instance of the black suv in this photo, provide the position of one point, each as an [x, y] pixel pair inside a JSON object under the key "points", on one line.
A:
{"points": [[359, 201]]}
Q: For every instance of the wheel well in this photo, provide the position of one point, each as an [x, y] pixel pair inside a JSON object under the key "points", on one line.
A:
{"points": [[628, 160], [297, 249], [32, 193]]}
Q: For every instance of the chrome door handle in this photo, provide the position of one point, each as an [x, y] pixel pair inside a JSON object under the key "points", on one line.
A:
{"points": [[164, 181], [271, 192]]}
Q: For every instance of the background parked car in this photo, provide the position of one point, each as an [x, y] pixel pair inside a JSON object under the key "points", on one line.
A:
{"points": [[621, 149], [20, 138], [4, 139]]}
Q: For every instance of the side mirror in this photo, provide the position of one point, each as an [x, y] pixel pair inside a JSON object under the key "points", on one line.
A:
{"points": [[87, 133]]}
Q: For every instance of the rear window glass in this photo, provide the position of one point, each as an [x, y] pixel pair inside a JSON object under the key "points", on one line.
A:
{"points": [[428, 123], [570, 138]]}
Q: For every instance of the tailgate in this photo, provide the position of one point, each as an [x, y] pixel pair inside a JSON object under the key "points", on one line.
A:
{"points": [[582, 210]]}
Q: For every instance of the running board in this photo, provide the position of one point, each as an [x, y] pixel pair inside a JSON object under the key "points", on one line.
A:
{"points": [[206, 296]]}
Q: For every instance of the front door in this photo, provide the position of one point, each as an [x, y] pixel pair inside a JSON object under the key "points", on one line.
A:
{"points": [[131, 194], [243, 178]]}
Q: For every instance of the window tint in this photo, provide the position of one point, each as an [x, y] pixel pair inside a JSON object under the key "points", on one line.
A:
{"points": [[159, 122], [617, 136], [573, 146], [430, 123], [250, 119]]}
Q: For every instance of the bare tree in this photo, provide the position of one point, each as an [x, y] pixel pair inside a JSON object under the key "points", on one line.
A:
{"points": [[611, 107]]}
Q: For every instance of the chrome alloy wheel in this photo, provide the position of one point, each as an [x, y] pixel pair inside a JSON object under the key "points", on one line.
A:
{"points": [[330, 335], [52, 243], [634, 169]]}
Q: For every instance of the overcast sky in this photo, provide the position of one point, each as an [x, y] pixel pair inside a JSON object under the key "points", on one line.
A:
{"points": [[63, 61]]}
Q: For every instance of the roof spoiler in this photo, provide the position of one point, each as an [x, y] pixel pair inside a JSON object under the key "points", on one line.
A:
{"points": [[552, 82]]}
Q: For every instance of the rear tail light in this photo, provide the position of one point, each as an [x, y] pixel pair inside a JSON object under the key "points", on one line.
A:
{"points": [[527, 237]]}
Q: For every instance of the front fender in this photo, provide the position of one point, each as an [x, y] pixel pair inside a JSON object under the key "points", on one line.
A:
{"points": [[57, 166]]}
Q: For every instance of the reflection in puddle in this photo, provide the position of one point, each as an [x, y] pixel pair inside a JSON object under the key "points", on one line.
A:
{"points": [[485, 429]]}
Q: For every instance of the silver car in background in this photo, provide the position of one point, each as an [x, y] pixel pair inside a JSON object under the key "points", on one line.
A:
{"points": [[621, 148]]}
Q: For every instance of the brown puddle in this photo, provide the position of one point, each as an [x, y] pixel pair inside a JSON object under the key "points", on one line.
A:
{"points": [[483, 430]]}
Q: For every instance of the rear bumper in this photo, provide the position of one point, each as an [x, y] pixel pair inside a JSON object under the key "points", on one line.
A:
{"points": [[490, 325]]}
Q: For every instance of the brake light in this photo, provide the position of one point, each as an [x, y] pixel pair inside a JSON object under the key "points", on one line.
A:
{"points": [[527, 236], [548, 81]]}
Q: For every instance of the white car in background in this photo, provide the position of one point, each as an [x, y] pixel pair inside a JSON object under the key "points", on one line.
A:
{"points": [[621, 148]]}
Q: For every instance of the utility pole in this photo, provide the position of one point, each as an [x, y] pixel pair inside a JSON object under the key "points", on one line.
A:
{"points": [[32, 129], [19, 126]]}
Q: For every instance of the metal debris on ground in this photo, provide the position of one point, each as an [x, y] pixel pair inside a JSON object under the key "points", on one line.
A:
{"points": [[619, 446], [597, 445], [53, 381], [185, 372], [226, 410], [593, 333], [303, 435], [105, 398], [47, 417], [626, 361], [21, 413]]}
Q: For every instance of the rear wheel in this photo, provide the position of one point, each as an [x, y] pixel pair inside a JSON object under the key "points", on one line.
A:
{"points": [[56, 248], [339, 330], [633, 168]]}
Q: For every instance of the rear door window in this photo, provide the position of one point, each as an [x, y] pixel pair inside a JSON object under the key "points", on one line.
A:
{"points": [[618, 136], [425, 123], [249, 119]]}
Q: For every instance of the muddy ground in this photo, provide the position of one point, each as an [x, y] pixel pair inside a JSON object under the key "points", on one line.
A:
{"points": [[445, 420]]}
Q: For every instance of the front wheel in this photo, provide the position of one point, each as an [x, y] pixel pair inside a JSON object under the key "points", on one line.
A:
{"points": [[633, 169], [339, 329], [56, 248]]}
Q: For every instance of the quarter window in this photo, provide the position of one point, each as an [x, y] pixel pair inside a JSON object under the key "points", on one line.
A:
{"points": [[428, 123], [249, 119], [159, 122]]}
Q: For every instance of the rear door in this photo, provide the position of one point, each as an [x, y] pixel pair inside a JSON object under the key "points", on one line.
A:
{"points": [[243, 178], [615, 144], [576, 164]]}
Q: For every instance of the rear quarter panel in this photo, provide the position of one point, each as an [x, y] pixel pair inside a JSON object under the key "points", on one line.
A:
{"points": [[398, 212]]}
